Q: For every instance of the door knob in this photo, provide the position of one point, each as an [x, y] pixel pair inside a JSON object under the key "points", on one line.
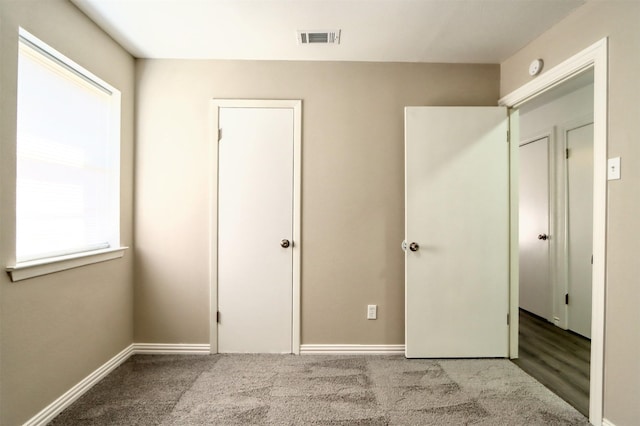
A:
{"points": [[285, 243], [543, 237], [414, 247]]}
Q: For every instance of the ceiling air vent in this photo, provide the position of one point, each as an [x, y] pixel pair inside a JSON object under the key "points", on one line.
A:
{"points": [[319, 37]]}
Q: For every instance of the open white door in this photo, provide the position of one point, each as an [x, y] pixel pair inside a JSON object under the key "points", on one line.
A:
{"points": [[457, 232]]}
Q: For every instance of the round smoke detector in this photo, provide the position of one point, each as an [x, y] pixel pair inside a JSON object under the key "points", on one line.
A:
{"points": [[535, 67]]}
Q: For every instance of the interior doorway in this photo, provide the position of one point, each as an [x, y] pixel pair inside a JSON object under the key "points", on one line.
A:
{"points": [[593, 57], [556, 204], [555, 238]]}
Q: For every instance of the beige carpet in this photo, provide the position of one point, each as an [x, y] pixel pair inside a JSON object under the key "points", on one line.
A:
{"points": [[317, 390]]}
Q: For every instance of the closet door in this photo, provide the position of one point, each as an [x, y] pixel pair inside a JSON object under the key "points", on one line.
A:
{"points": [[255, 229], [536, 291]]}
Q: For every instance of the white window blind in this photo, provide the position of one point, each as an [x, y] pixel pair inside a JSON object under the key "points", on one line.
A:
{"points": [[67, 193]]}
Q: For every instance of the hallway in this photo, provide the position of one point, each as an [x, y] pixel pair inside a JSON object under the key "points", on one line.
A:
{"points": [[557, 358]]}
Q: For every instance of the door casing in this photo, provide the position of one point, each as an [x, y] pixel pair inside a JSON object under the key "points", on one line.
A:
{"points": [[215, 106], [596, 57]]}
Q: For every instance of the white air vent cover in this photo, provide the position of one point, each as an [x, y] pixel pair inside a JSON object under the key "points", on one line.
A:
{"points": [[319, 37]]}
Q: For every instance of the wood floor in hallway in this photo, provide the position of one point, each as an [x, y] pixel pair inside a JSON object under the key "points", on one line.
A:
{"points": [[557, 358]]}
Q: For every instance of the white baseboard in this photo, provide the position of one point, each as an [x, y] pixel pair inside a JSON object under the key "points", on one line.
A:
{"points": [[352, 349], [70, 396], [606, 422], [171, 348]]}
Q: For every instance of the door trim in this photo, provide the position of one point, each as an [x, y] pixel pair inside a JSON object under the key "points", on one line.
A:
{"points": [[215, 105], [594, 56]]}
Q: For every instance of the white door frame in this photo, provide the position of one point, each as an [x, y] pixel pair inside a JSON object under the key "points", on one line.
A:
{"points": [[216, 104], [593, 56]]}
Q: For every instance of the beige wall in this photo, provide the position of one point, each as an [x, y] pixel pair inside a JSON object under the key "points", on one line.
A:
{"points": [[57, 329], [352, 186], [620, 21]]}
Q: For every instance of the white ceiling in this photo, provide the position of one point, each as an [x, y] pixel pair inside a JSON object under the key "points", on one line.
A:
{"points": [[458, 31]]}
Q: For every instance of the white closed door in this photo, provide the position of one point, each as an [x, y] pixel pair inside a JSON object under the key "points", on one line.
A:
{"points": [[255, 221], [457, 232], [580, 227], [536, 291]]}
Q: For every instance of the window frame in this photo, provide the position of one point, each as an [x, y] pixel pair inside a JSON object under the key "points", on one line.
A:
{"points": [[32, 268]]}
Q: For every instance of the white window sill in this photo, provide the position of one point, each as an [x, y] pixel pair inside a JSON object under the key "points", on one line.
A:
{"points": [[35, 268]]}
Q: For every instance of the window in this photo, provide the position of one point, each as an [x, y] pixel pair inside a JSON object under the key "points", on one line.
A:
{"points": [[68, 157]]}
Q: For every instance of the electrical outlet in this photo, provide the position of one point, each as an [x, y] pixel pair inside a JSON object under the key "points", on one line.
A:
{"points": [[372, 311]]}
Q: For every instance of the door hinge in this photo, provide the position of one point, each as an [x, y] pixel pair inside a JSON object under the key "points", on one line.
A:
{"points": [[218, 317], [508, 136], [566, 299], [592, 259], [219, 134], [566, 153], [508, 319]]}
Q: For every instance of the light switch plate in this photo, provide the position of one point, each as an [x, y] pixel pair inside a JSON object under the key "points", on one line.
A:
{"points": [[613, 168], [372, 312]]}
